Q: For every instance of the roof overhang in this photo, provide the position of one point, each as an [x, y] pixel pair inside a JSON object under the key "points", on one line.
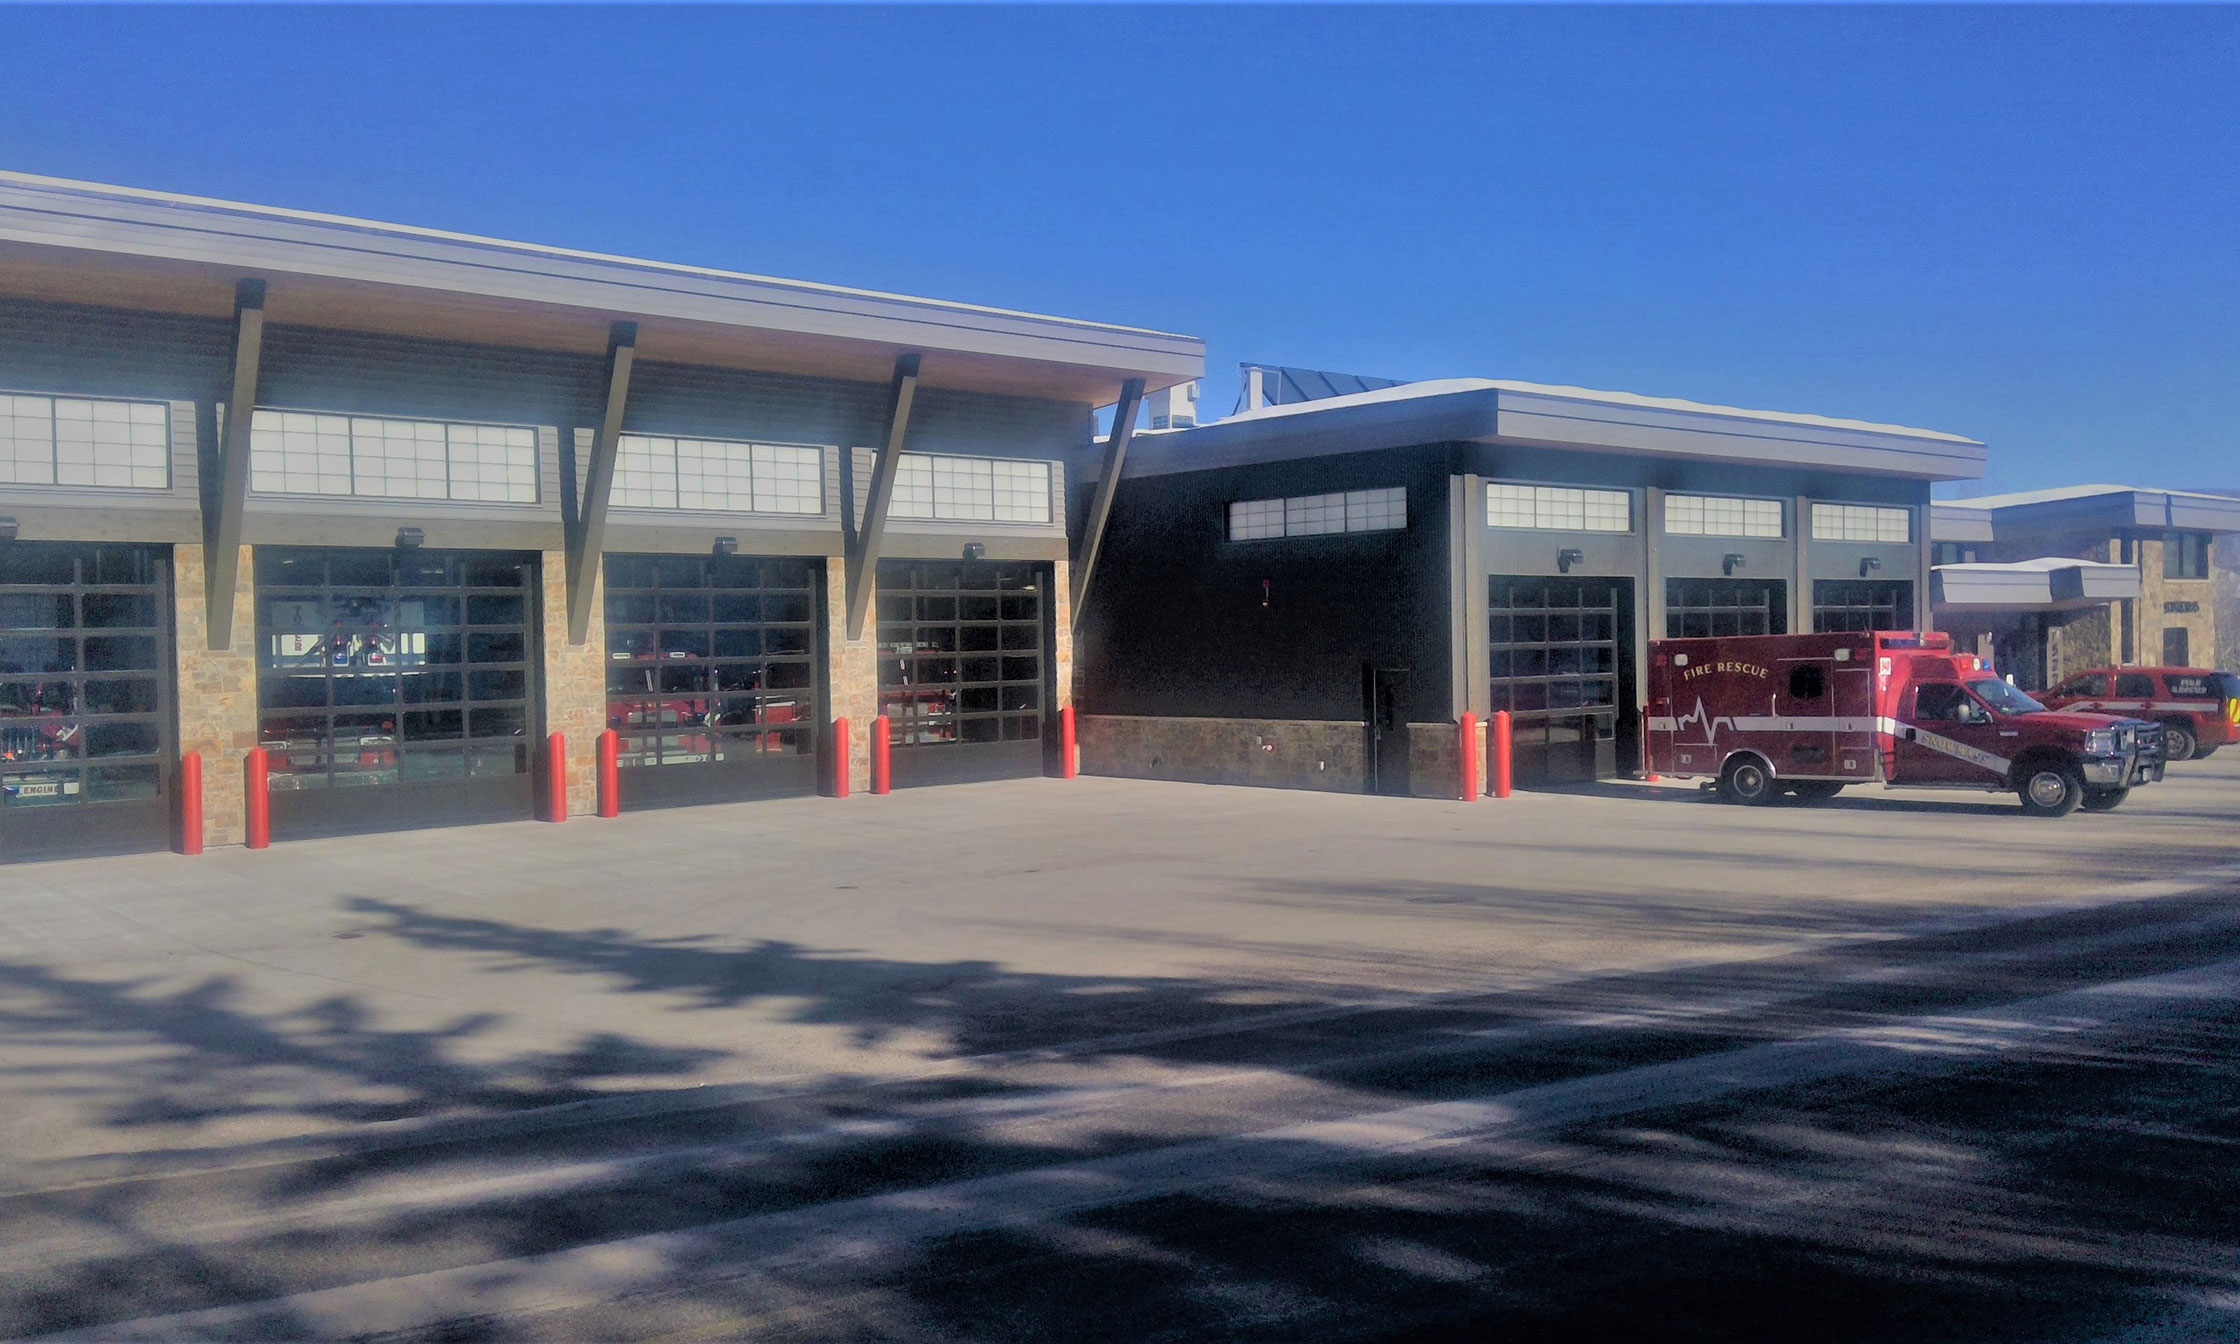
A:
{"points": [[2109, 507], [2051, 584], [1958, 522], [76, 242], [1470, 410]]}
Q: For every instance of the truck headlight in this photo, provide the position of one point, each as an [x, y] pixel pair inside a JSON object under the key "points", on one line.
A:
{"points": [[2100, 742]]}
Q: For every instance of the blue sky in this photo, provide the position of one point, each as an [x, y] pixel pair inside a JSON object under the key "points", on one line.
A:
{"points": [[2018, 224]]}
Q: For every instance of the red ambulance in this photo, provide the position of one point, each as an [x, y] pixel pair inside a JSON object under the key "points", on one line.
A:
{"points": [[1807, 714]]}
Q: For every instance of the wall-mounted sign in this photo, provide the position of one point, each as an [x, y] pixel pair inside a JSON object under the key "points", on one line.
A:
{"points": [[2181, 608]]}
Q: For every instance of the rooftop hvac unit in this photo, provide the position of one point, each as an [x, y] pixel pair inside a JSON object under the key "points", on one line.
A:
{"points": [[1175, 407]]}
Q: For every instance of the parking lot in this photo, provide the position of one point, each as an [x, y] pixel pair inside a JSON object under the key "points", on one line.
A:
{"points": [[1062, 1013]]}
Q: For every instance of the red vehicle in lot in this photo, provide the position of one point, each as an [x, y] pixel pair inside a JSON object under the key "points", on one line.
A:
{"points": [[1807, 714], [2198, 707]]}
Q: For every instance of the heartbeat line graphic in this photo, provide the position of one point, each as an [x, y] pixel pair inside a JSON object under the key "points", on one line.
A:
{"points": [[1700, 716]]}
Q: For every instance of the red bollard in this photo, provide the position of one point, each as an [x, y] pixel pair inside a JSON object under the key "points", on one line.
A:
{"points": [[190, 803], [256, 770], [1501, 753], [882, 756], [1468, 731], [610, 774], [842, 749], [1069, 764], [556, 777]]}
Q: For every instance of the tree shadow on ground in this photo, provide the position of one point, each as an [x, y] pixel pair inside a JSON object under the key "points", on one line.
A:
{"points": [[2034, 1193]]}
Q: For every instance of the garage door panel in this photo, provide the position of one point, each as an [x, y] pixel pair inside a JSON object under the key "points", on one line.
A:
{"points": [[86, 750], [396, 688], [962, 668], [711, 677]]}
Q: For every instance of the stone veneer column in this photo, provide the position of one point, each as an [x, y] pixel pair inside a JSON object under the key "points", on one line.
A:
{"points": [[852, 667], [1061, 635], [575, 683], [217, 690]]}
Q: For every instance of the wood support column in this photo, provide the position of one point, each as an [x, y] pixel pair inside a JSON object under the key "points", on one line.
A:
{"points": [[226, 491], [863, 555], [1108, 485], [587, 530]]}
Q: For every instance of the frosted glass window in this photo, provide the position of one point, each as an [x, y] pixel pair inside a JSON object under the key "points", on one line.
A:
{"points": [[1721, 516], [1314, 515], [789, 479], [122, 445], [718, 475], [1382, 510], [1376, 510], [494, 462], [1022, 492], [401, 458], [1558, 508], [1254, 519], [304, 453], [1860, 522], [971, 489], [645, 473]]}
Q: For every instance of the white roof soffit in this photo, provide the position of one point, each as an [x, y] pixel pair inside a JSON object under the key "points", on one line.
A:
{"points": [[187, 236], [2053, 583], [2116, 506], [1479, 410]]}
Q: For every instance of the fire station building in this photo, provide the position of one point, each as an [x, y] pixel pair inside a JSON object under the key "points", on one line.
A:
{"points": [[1311, 594], [2050, 583], [396, 504]]}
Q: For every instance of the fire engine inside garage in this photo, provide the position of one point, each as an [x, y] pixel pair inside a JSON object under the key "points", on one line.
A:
{"points": [[1312, 593], [395, 507]]}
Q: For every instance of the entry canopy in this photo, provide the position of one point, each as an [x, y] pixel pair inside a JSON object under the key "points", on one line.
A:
{"points": [[1481, 410], [88, 243], [2052, 583]]}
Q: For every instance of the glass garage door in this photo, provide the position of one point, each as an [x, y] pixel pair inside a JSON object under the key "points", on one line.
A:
{"points": [[1561, 662], [962, 667], [396, 688], [712, 676], [85, 699]]}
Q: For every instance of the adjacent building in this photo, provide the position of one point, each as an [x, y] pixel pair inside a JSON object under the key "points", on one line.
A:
{"points": [[1311, 594], [397, 504], [2049, 583]]}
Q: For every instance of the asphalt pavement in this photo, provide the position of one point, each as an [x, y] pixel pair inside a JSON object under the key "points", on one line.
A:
{"points": [[1110, 1059]]}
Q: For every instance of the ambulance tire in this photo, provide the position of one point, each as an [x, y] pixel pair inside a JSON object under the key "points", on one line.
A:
{"points": [[2203, 753], [1748, 781], [2050, 788], [2179, 741], [1816, 790], [2104, 799]]}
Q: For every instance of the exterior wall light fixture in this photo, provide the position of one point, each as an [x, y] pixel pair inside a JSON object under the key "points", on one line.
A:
{"points": [[727, 545], [1730, 562], [1567, 557], [1868, 564], [973, 550], [410, 538]]}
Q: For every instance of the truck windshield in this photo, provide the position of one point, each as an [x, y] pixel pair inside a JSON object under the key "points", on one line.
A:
{"points": [[2004, 698]]}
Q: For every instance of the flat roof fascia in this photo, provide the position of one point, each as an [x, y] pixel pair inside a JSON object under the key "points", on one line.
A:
{"points": [[1959, 522], [2114, 510], [1501, 415], [2029, 587], [249, 240]]}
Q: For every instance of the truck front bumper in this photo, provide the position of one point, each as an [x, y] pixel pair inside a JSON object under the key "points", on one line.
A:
{"points": [[2125, 771]]}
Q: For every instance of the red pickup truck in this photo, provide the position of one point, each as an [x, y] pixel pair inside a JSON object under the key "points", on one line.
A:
{"points": [[2198, 707], [1807, 714]]}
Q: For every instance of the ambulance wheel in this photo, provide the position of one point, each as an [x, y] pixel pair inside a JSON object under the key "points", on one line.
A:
{"points": [[1816, 790], [2104, 799], [2179, 742], [2050, 789], [2203, 753], [1748, 781]]}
